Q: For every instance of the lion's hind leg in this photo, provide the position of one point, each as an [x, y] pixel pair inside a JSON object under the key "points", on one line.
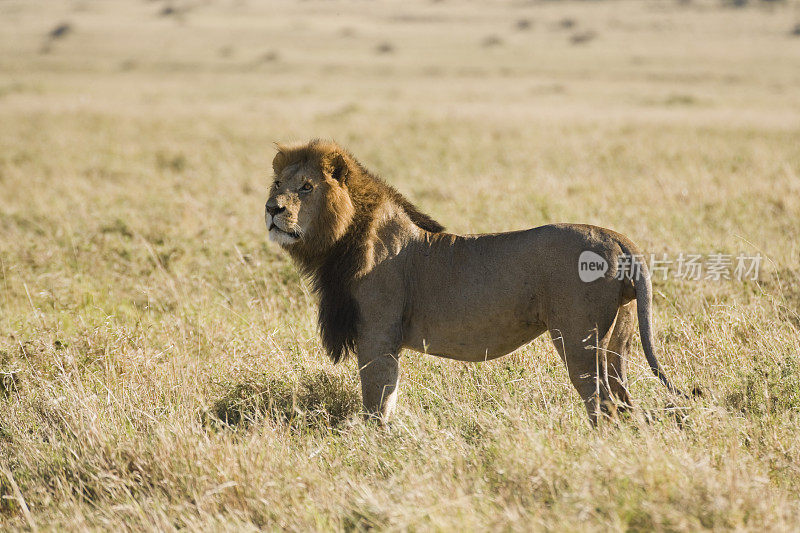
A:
{"points": [[618, 352], [582, 340], [583, 352]]}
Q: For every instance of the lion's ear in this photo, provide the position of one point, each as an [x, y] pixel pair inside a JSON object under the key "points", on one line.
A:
{"points": [[279, 163], [336, 166]]}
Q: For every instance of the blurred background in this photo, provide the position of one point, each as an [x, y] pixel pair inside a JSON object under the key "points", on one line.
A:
{"points": [[544, 91]]}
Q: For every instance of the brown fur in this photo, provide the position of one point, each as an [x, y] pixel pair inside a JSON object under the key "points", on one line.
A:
{"points": [[388, 277]]}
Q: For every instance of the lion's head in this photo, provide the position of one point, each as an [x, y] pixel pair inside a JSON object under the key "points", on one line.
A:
{"points": [[322, 208], [309, 205]]}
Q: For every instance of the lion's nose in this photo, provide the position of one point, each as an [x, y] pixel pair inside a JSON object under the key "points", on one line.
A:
{"points": [[274, 209]]}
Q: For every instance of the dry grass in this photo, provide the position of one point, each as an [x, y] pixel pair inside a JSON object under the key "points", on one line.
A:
{"points": [[159, 362]]}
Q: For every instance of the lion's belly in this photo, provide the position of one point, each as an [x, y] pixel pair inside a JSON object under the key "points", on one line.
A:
{"points": [[471, 340]]}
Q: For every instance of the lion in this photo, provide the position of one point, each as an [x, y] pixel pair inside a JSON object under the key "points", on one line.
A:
{"points": [[389, 277]]}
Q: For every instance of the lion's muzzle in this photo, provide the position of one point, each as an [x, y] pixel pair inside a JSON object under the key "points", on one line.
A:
{"points": [[279, 230]]}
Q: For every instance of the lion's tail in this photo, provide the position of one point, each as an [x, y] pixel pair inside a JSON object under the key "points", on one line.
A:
{"points": [[644, 299]]}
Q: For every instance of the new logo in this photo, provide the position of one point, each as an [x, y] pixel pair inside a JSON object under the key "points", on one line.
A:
{"points": [[591, 266]]}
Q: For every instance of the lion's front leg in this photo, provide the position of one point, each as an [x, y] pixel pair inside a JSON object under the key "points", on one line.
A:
{"points": [[379, 368]]}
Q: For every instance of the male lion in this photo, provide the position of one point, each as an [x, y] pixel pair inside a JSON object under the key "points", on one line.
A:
{"points": [[389, 277]]}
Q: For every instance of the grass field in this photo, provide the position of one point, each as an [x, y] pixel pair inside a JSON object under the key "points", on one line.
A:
{"points": [[160, 366]]}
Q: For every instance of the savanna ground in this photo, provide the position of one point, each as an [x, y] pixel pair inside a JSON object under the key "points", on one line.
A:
{"points": [[160, 361]]}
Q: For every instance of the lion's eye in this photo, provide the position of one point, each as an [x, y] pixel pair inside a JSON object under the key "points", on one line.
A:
{"points": [[306, 187], [277, 184]]}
